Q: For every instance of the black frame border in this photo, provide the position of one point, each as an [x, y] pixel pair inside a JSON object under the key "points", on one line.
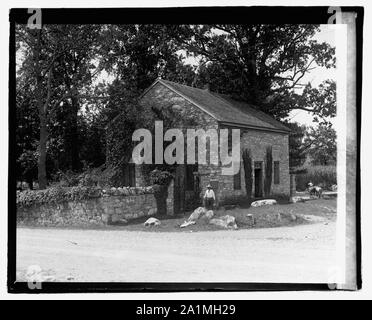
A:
{"points": [[179, 15]]}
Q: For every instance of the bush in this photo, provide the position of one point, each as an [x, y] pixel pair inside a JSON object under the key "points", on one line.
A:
{"points": [[247, 162], [161, 180], [56, 194], [160, 177], [91, 177], [268, 171], [323, 176]]}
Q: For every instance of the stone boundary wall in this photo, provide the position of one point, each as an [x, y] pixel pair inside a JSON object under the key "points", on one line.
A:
{"points": [[110, 208]]}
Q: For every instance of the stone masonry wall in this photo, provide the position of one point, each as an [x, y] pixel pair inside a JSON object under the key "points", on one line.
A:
{"points": [[98, 211], [256, 141]]}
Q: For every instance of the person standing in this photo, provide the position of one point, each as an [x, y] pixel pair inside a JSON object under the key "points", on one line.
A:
{"points": [[209, 197]]}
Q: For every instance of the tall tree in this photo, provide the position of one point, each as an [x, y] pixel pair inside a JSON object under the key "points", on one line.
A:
{"points": [[26, 133], [297, 148], [322, 144], [260, 64], [41, 52]]}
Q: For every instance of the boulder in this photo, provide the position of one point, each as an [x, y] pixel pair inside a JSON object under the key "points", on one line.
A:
{"points": [[265, 202], [209, 214], [196, 214], [152, 222], [187, 223], [226, 222]]}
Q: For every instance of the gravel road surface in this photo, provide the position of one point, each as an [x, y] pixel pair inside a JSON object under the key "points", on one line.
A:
{"points": [[288, 254]]}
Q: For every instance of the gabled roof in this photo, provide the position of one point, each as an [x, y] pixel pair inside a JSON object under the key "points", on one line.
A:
{"points": [[224, 109]]}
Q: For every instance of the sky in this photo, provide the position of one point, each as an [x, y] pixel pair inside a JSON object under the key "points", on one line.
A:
{"points": [[315, 76], [318, 75]]}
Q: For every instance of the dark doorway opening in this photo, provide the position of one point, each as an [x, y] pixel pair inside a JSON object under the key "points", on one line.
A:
{"points": [[258, 179], [179, 189]]}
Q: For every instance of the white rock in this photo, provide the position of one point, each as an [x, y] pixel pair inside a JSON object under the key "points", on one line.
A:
{"points": [[264, 202], [209, 214], [152, 222], [196, 214], [187, 223]]}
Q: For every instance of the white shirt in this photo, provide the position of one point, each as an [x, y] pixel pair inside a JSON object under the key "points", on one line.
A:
{"points": [[209, 193]]}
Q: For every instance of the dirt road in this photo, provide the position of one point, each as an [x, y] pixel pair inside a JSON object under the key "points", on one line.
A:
{"points": [[287, 254]]}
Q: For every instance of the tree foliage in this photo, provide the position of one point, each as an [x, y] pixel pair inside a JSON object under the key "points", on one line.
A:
{"points": [[322, 144], [261, 64], [71, 115], [297, 149]]}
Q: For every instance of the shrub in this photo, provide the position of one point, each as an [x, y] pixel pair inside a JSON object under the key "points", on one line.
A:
{"points": [[56, 194], [323, 176], [268, 171], [91, 177], [247, 162], [161, 180], [160, 177]]}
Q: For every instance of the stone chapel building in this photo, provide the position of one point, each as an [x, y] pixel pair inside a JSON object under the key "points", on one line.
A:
{"points": [[203, 109]]}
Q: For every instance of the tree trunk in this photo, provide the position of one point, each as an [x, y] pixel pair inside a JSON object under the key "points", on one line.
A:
{"points": [[74, 135], [41, 174]]}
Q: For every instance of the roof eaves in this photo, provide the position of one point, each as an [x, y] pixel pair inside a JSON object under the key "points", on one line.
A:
{"points": [[260, 128], [276, 124]]}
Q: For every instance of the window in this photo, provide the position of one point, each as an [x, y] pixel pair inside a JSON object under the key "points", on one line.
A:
{"points": [[237, 181], [276, 172]]}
